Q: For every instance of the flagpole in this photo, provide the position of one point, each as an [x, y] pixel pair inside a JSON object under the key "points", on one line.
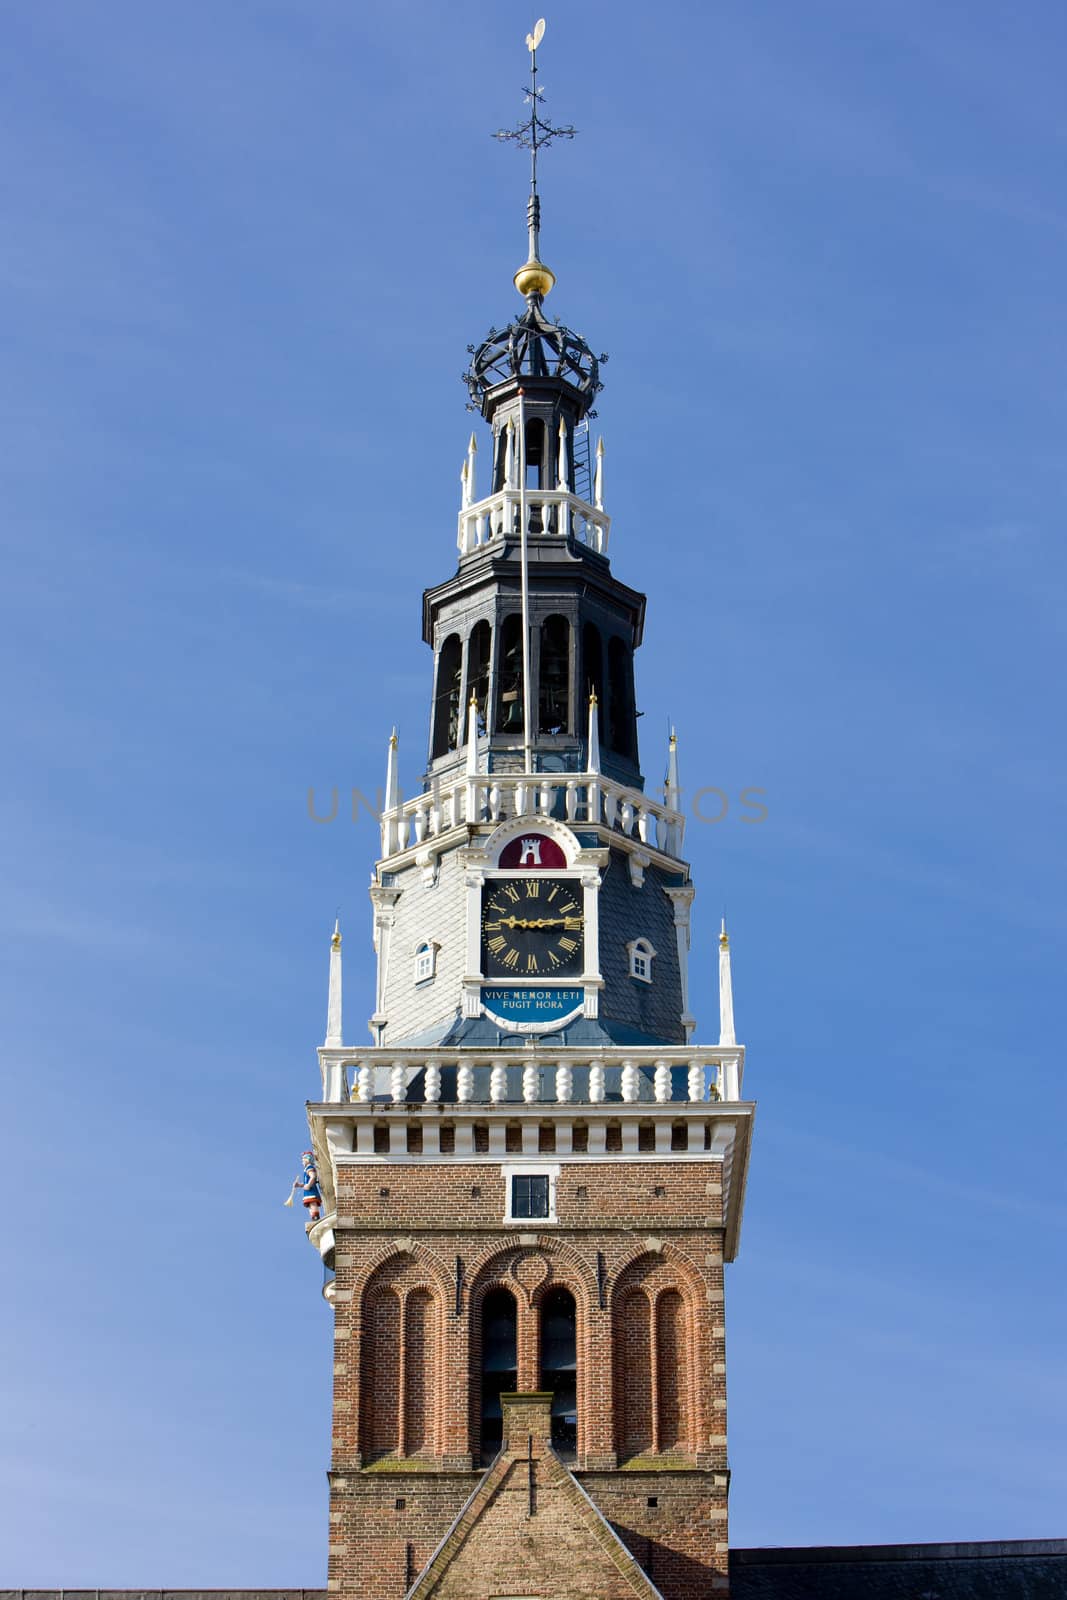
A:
{"points": [[527, 747]]}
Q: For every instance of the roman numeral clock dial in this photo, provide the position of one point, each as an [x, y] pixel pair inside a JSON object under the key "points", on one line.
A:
{"points": [[532, 928]]}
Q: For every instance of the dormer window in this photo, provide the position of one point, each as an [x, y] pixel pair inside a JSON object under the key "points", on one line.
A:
{"points": [[425, 960], [641, 956]]}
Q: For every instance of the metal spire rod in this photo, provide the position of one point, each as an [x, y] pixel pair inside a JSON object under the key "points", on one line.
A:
{"points": [[535, 134]]}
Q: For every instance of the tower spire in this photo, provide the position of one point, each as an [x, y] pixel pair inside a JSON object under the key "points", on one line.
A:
{"points": [[726, 990], [534, 280], [333, 1008]]}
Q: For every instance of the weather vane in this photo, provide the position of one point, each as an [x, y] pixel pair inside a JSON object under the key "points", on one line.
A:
{"points": [[535, 134]]}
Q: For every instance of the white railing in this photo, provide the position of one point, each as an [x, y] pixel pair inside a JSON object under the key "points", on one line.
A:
{"points": [[556, 512], [661, 1075], [574, 797]]}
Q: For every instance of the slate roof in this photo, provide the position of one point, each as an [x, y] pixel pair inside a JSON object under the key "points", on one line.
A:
{"points": [[1014, 1570]]}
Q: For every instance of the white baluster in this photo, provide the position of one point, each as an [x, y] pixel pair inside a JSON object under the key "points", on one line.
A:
{"points": [[498, 1082], [663, 1082], [596, 1082], [494, 802], [626, 816], [480, 528], [572, 799], [432, 1083], [365, 1083], [631, 1083], [564, 1083], [420, 821], [531, 1083], [611, 807], [520, 799], [544, 799], [403, 832], [696, 1081], [397, 1085], [642, 823], [464, 1081]]}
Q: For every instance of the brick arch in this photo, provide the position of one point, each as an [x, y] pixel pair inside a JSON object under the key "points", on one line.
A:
{"points": [[402, 1357], [500, 1252], [658, 1344], [431, 1263]]}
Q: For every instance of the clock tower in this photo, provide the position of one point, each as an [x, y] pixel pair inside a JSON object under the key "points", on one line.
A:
{"points": [[533, 1174]]}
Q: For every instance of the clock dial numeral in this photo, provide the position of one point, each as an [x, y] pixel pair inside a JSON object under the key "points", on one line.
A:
{"points": [[512, 893], [531, 962], [570, 945], [532, 888]]}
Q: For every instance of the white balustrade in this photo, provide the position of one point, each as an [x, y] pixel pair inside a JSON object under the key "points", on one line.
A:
{"points": [[553, 513], [576, 796], [641, 1075]]}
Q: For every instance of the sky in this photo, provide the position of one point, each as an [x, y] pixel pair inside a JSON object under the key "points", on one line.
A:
{"points": [[245, 248]]}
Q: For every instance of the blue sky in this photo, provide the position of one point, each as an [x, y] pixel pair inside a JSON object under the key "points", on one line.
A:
{"points": [[245, 248]]}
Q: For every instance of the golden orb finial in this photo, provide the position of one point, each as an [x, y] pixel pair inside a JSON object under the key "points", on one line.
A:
{"points": [[533, 277]]}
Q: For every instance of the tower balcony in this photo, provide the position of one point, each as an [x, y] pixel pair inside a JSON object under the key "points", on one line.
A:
{"points": [[577, 798], [605, 1077], [532, 1105], [555, 513]]}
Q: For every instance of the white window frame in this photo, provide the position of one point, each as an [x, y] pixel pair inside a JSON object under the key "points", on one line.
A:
{"points": [[641, 956], [426, 953], [530, 1169]]}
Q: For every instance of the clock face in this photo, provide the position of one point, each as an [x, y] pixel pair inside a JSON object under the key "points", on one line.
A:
{"points": [[532, 928]]}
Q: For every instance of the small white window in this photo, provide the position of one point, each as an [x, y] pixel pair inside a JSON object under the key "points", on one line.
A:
{"points": [[641, 957], [425, 960], [530, 1192]]}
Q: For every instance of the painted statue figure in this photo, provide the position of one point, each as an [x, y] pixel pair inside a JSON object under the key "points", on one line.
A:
{"points": [[309, 1183]]}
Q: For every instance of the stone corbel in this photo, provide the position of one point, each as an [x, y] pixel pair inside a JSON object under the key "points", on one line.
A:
{"points": [[637, 861]]}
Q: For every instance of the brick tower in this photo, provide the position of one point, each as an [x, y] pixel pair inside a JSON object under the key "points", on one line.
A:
{"points": [[533, 1176]]}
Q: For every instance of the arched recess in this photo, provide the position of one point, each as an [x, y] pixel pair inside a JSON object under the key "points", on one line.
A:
{"points": [[593, 670], [379, 1413], [622, 734], [658, 1342], [420, 1371], [479, 652], [672, 1372], [447, 697], [554, 686], [400, 1360], [499, 1365], [633, 1375], [509, 692], [559, 1365]]}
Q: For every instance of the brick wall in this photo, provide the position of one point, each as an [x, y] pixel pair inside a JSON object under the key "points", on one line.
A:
{"points": [[419, 1246]]}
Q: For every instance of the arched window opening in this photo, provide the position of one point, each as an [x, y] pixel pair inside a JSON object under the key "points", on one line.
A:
{"points": [[559, 1367], [641, 956], [500, 1366], [554, 714], [446, 700], [425, 960], [478, 655], [593, 670], [509, 697], [536, 455], [620, 669], [672, 1354]]}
